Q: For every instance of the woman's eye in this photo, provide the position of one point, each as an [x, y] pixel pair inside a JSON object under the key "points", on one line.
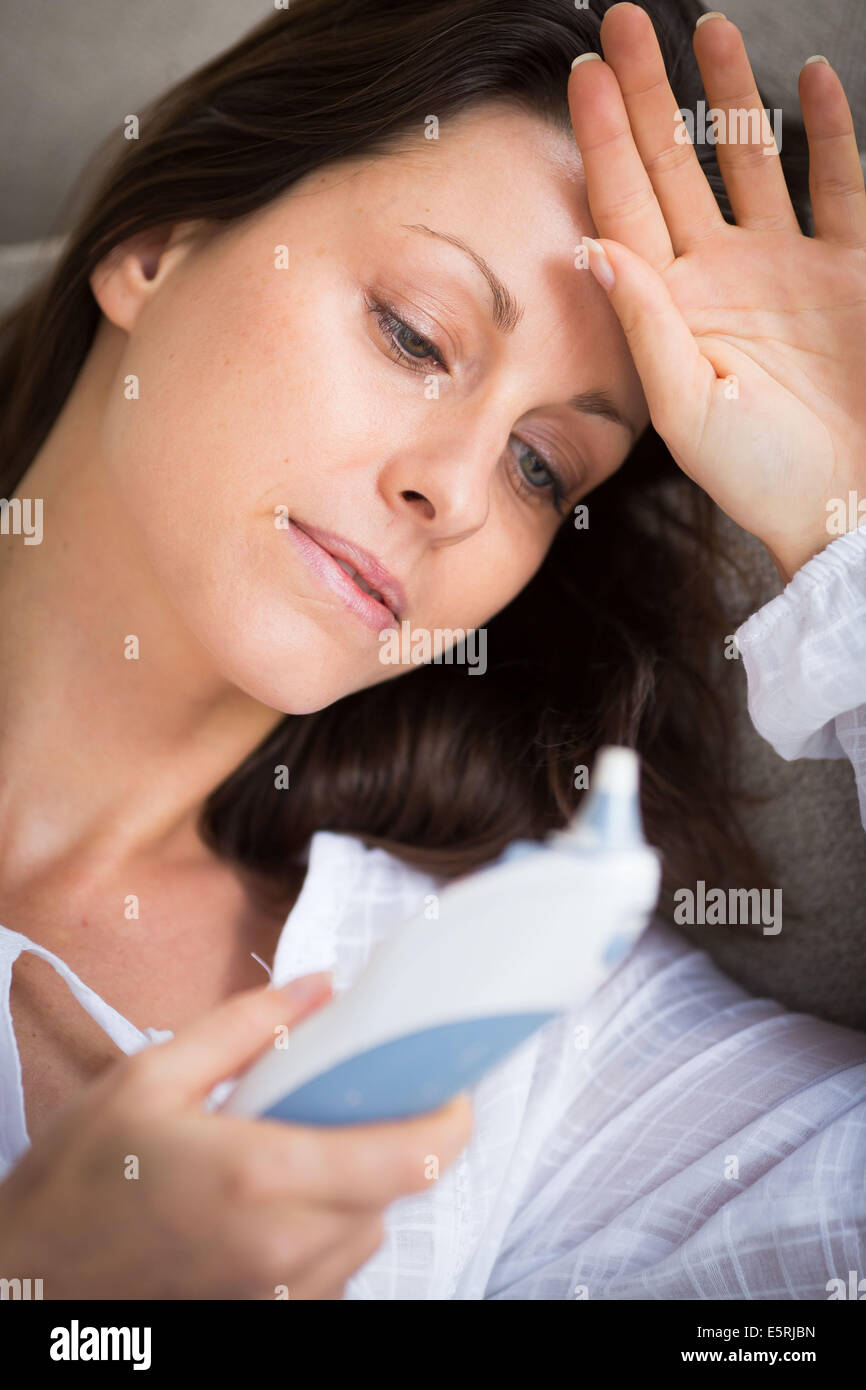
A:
{"points": [[535, 476], [413, 350], [412, 343], [537, 479], [534, 469]]}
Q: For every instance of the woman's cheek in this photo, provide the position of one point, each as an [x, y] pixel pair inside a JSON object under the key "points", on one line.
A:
{"points": [[474, 594]]}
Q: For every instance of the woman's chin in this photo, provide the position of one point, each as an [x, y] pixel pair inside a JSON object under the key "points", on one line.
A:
{"points": [[293, 677]]}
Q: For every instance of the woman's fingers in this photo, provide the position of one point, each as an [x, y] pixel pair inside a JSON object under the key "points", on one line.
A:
{"points": [[621, 196], [223, 1041], [747, 155], [835, 172], [677, 379], [687, 202], [355, 1166]]}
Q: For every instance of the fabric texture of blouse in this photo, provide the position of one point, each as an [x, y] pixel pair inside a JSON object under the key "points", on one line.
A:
{"points": [[676, 1137]]}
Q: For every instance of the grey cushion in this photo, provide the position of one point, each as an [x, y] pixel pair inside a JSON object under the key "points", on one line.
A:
{"points": [[69, 75], [781, 34], [21, 266], [807, 827]]}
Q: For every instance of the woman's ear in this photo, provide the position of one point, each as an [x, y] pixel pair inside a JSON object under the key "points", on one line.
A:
{"points": [[132, 272]]}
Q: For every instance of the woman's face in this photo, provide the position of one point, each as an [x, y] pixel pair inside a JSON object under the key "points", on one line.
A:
{"points": [[279, 403]]}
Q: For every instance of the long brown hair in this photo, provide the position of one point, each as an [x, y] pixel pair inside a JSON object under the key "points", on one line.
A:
{"points": [[610, 642]]}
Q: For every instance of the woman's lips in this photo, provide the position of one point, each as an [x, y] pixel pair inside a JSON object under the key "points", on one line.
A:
{"points": [[374, 614]]}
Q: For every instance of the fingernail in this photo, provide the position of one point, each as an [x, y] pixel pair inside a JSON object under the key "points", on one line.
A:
{"points": [[598, 263], [816, 58], [584, 58], [307, 986], [710, 14]]}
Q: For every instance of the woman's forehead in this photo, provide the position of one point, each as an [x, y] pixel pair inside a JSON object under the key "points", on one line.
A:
{"points": [[493, 156]]}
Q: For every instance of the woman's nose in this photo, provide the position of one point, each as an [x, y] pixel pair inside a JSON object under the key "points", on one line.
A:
{"points": [[446, 484]]}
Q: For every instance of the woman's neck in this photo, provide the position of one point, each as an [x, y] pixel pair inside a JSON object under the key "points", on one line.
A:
{"points": [[115, 723]]}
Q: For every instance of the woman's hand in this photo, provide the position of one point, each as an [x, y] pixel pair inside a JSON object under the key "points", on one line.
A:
{"points": [[750, 340], [135, 1191]]}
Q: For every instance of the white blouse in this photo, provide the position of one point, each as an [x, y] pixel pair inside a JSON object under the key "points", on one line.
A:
{"points": [[676, 1138]]}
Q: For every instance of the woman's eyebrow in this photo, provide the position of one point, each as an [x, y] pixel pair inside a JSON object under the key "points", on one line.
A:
{"points": [[600, 403], [507, 313]]}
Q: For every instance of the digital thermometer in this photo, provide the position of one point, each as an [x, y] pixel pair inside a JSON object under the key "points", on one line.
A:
{"points": [[444, 998]]}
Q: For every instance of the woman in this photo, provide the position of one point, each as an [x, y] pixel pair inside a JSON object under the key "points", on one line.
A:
{"points": [[327, 312]]}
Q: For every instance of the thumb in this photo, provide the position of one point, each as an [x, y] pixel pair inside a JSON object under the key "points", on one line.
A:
{"points": [[676, 378], [228, 1038]]}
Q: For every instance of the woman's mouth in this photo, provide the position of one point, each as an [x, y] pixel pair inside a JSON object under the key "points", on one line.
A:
{"points": [[359, 580], [327, 557]]}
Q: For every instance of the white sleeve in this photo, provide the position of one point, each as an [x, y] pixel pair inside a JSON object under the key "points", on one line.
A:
{"points": [[805, 659], [707, 1145]]}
